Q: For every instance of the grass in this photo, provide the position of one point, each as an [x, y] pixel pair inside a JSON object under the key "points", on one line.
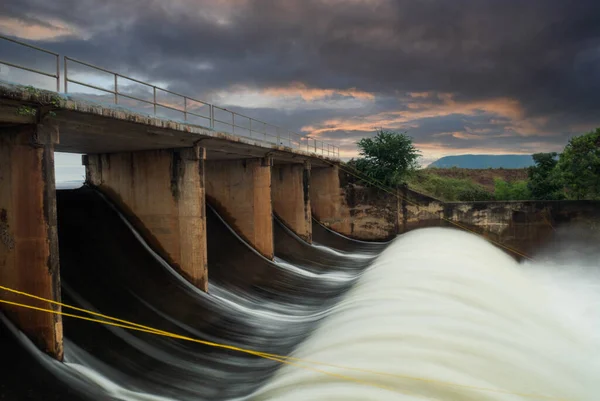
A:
{"points": [[447, 188]]}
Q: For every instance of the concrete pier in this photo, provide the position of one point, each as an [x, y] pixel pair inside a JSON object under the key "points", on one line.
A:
{"points": [[162, 191], [290, 190], [327, 200], [241, 192], [28, 233], [159, 172]]}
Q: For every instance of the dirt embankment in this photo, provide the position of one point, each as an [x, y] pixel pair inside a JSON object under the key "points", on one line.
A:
{"points": [[483, 177]]}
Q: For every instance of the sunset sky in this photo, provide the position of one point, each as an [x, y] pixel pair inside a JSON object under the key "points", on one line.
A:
{"points": [[460, 76]]}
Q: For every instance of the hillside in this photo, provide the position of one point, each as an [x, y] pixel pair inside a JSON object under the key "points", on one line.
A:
{"points": [[483, 177], [484, 161], [460, 184]]}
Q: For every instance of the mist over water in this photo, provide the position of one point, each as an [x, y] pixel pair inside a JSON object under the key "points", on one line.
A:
{"points": [[444, 315], [439, 314]]}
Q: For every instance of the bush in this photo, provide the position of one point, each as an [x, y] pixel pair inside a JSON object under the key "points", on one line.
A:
{"points": [[448, 189], [579, 166], [517, 190], [545, 179]]}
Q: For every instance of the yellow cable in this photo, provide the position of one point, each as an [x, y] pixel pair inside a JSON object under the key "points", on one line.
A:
{"points": [[209, 343], [278, 358], [138, 327]]}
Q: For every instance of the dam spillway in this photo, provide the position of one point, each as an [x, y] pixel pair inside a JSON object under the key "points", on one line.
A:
{"points": [[436, 314], [252, 303]]}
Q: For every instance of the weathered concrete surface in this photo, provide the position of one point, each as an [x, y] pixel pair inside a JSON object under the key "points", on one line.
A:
{"points": [[350, 208], [28, 233], [97, 128], [162, 191], [416, 210], [290, 192], [520, 226], [327, 200], [524, 226], [369, 213], [241, 191]]}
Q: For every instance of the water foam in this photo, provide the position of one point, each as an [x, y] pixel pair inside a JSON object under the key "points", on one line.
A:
{"points": [[444, 315], [332, 251]]}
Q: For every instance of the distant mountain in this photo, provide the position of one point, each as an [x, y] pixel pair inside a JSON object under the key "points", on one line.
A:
{"points": [[484, 161]]}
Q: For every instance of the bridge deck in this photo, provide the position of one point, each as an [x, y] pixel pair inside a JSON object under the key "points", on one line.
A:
{"points": [[89, 127]]}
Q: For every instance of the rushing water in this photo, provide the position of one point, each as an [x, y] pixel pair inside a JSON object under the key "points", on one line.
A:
{"points": [[444, 315], [440, 315]]}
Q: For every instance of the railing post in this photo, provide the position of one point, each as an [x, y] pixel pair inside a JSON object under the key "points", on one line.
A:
{"points": [[57, 73], [154, 103], [292, 137], [116, 89], [65, 77]]}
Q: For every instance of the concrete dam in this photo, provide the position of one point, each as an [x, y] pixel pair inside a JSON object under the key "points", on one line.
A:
{"points": [[213, 265]]}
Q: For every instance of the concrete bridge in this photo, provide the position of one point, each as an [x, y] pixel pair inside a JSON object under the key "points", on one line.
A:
{"points": [[159, 172]]}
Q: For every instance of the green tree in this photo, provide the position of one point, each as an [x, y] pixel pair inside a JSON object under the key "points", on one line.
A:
{"points": [[388, 157], [517, 190], [545, 181], [580, 166]]}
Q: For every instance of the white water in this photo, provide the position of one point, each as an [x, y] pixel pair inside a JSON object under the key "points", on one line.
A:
{"points": [[338, 253], [441, 306]]}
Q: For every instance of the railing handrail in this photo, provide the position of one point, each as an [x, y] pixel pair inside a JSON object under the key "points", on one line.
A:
{"points": [[56, 56], [289, 136], [28, 45]]}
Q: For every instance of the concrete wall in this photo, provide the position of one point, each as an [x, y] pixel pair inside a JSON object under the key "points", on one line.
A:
{"points": [[240, 190], [525, 226], [327, 200], [28, 234], [350, 208], [162, 192], [373, 214], [290, 192]]}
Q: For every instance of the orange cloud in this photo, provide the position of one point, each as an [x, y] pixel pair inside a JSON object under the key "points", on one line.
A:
{"points": [[420, 95], [27, 30], [419, 109], [299, 89]]}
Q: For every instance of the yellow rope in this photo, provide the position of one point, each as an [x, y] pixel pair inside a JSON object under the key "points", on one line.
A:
{"points": [[293, 361], [134, 327]]}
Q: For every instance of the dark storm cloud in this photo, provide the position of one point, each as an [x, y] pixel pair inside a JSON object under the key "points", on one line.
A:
{"points": [[544, 54]]}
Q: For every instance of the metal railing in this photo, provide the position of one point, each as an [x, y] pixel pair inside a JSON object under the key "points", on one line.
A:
{"points": [[215, 117], [56, 75]]}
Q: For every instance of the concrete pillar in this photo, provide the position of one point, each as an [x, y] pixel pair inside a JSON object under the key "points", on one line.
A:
{"points": [[162, 192], [291, 197], [327, 200], [241, 191], [28, 234]]}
